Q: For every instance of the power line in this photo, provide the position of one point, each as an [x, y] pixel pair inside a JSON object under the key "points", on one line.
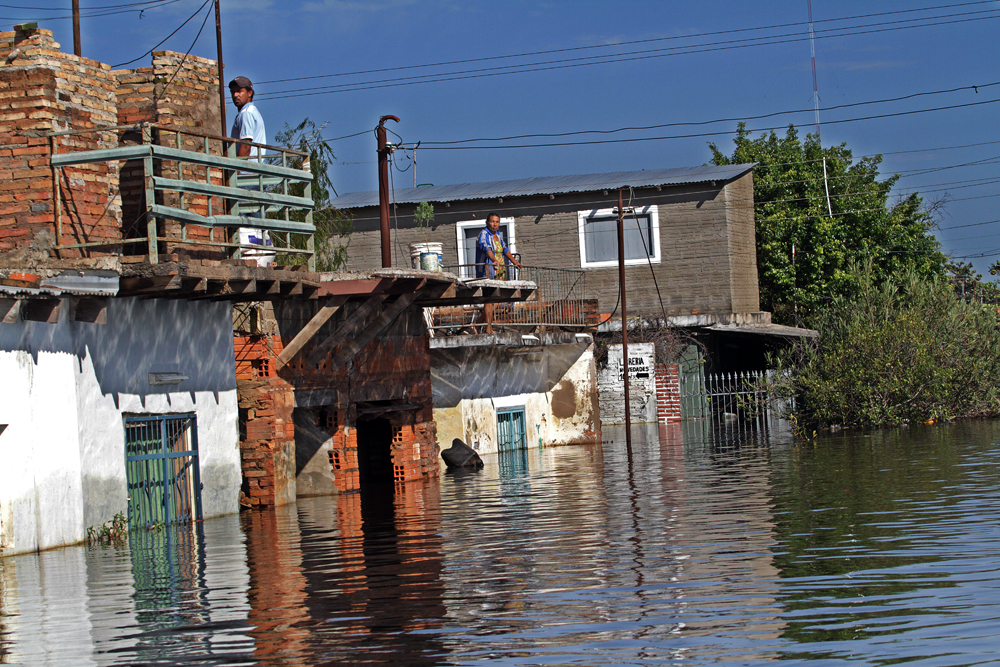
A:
{"points": [[91, 13], [717, 120], [702, 134], [196, 12], [618, 44], [592, 60]]}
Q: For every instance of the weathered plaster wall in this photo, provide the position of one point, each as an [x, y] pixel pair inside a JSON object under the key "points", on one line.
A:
{"points": [[67, 387], [642, 385], [555, 383]]}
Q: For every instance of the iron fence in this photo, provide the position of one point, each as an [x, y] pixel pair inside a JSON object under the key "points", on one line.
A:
{"points": [[559, 300], [741, 400]]}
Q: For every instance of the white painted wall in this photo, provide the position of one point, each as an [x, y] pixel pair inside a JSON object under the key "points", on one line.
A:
{"points": [[67, 387], [555, 385], [642, 384]]}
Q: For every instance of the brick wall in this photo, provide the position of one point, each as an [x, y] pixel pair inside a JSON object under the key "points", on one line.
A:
{"points": [[267, 430], [393, 371], [44, 90], [178, 91], [668, 394]]}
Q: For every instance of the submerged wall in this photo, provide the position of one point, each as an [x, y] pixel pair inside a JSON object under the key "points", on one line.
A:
{"points": [[67, 387], [554, 381]]}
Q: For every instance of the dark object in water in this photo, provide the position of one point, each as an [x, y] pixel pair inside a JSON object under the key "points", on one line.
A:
{"points": [[460, 455]]}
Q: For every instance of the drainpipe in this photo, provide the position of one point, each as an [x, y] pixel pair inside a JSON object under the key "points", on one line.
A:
{"points": [[383, 190]]}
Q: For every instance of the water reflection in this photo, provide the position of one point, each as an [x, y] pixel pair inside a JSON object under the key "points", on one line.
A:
{"points": [[701, 544]]}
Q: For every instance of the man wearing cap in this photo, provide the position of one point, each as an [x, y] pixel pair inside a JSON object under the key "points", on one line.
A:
{"points": [[248, 124]]}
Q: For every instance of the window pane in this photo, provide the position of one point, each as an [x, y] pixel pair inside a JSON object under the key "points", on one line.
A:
{"points": [[601, 238]]}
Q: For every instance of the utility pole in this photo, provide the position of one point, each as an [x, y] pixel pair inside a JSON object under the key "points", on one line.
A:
{"points": [[383, 190], [621, 291], [76, 27], [222, 81]]}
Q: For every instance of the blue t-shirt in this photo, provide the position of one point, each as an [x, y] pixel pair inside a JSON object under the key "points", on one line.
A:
{"points": [[484, 267]]}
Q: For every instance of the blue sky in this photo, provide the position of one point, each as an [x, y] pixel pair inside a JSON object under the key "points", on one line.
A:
{"points": [[674, 62]]}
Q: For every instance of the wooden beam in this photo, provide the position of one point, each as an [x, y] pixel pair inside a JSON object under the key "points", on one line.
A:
{"points": [[379, 325], [309, 330], [149, 284], [349, 326]]}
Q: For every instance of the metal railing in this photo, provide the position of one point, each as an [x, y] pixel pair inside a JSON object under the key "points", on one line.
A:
{"points": [[559, 300], [209, 188]]}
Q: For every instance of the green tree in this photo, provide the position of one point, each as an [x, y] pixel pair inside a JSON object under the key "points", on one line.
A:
{"points": [[333, 228], [819, 208], [900, 348]]}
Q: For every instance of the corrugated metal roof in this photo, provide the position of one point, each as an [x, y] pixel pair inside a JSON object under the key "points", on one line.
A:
{"points": [[545, 185], [69, 284]]}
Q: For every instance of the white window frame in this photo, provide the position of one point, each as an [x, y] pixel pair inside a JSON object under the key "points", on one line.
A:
{"points": [[460, 228], [654, 222]]}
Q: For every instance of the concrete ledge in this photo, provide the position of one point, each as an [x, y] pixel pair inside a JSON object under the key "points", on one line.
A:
{"points": [[511, 340]]}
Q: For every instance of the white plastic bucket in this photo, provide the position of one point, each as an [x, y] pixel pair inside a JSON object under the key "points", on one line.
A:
{"points": [[426, 256]]}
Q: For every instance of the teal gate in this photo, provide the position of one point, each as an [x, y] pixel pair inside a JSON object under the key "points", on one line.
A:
{"points": [[161, 465], [511, 434]]}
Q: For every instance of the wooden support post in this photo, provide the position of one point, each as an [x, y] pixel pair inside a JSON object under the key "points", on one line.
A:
{"points": [[321, 317]]}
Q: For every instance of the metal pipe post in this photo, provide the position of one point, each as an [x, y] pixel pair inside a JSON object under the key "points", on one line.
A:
{"points": [[222, 81], [383, 190], [621, 289], [76, 28]]}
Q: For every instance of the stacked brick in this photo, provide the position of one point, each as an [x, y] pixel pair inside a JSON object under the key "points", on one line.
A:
{"points": [[43, 90], [668, 394], [267, 442], [178, 91]]}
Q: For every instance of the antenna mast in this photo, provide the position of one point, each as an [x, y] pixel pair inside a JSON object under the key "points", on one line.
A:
{"points": [[812, 52]]}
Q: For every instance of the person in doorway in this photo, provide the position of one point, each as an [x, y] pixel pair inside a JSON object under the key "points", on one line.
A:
{"points": [[491, 251], [248, 124]]}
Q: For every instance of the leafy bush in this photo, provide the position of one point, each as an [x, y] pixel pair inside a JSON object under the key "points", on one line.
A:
{"points": [[896, 350]]}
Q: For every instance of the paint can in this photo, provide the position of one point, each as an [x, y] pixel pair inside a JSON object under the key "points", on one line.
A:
{"points": [[427, 256]]}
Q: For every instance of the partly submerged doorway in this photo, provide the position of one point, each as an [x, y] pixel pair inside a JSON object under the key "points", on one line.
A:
{"points": [[161, 469]]}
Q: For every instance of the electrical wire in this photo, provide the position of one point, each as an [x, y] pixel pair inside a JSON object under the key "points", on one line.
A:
{"points": [[616, 58], [196, 12], [87, 13], [617, 44]]}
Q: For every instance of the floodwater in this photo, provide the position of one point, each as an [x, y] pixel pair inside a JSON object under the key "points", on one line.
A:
{"points": [[698, 548]]}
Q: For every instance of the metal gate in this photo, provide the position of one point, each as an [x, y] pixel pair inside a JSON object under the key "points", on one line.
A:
{"points": [[510, 430], [161, 464]]}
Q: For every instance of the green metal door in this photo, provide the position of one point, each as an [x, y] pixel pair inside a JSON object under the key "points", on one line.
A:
{"points": [[161, 466]]}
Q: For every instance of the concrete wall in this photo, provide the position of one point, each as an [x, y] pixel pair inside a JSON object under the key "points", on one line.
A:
{"points": [[554, 382], [642, 385], [67, 387], [707, 245]]}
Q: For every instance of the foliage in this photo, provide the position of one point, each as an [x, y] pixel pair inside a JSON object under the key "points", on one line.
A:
{"points": [[968, 283], [333, 228], [424, 214], [856, 221], [899, 349], [114, 532]]}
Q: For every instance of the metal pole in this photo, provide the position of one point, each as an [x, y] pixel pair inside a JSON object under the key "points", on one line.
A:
{"points": [[222, 81], [621, 290], [76, 27], [383, 190]]}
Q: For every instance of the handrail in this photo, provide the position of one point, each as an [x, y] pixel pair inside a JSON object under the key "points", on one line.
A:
{"points": [[268, 192]]}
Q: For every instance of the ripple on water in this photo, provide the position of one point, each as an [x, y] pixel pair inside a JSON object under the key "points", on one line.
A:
{"points": [[694, 547]]}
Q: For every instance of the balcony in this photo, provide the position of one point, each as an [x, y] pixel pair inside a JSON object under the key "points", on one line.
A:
{"points": [[185, 190], [559, 302]]}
